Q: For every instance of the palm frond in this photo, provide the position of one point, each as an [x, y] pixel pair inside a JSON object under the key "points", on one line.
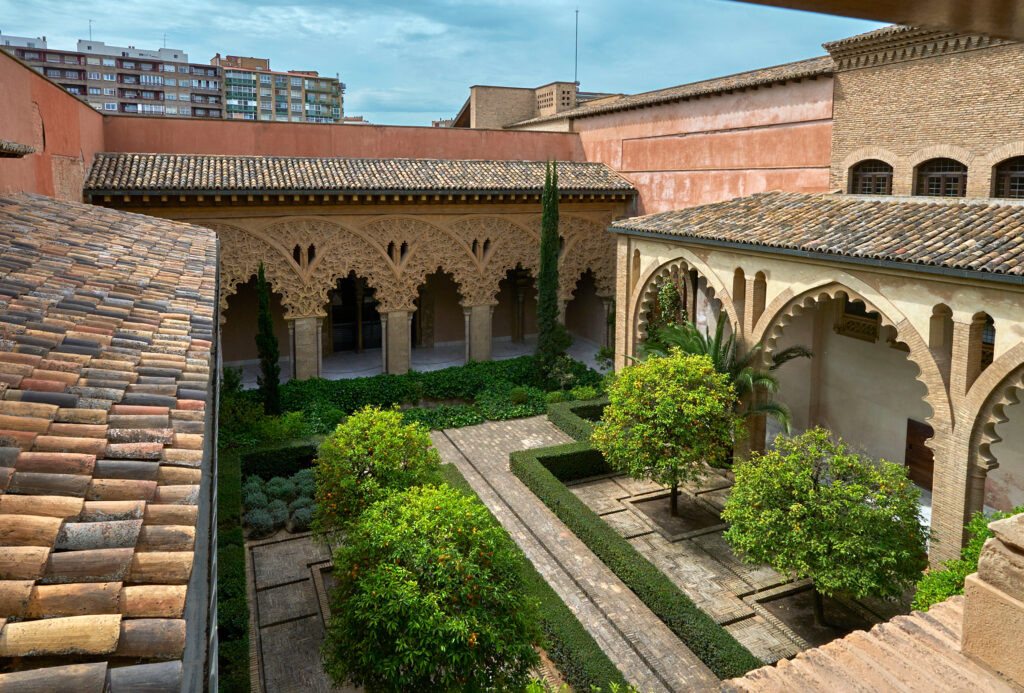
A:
{"points": [[778, 411], [790, 353]]}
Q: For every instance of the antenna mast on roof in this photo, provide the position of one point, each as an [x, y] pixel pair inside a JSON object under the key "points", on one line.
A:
{"points": [[576, 55], [90, 29]]}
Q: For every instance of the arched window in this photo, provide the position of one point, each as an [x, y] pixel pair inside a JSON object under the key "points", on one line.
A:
{"points": [[1009, 178], [871, 177], [941, 178]]}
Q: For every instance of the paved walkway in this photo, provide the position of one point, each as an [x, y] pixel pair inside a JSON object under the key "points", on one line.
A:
{"points": [[641, 646]]}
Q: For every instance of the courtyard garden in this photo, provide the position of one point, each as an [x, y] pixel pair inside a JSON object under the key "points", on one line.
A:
{"points": [[530, 524]]}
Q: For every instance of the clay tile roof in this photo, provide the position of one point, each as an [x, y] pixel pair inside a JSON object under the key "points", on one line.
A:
{"points": [[980, 236], [885, 33], [800, 69], [107, 322], [175, 173], [10, 149]]}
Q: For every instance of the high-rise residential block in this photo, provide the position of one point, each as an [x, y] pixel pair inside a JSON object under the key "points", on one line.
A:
{"points": [[252, 91], [127, 80]]}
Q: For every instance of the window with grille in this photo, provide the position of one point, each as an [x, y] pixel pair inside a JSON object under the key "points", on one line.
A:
{"points": [[871, 177], [1009, 178], [941, 178]]}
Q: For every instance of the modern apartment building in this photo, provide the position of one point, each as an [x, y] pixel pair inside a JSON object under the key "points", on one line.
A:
{"points": [[252, 91], [7, 41], [127, 80]]}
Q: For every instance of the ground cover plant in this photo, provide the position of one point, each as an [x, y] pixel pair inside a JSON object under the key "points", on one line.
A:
{"points": [[280, 502], [447, 398], [813, 509], [939, 585], [232, 598]]}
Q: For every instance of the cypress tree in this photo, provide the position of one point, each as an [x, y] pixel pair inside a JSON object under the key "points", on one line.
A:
{"points": [[552, 337], [267, 349]]}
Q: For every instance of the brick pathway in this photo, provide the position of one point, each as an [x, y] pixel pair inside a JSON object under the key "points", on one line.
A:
{"points": [[641, 646]]}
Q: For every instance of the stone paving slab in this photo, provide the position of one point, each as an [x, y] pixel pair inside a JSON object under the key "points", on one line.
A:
{"points": [[276, 565], [756, 576], [291, 656], [649, 655], [287, 602], [628, 523], [601, 495]]}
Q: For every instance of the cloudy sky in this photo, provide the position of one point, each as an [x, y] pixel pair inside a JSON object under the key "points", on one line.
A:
{"points": [[412, 61]]}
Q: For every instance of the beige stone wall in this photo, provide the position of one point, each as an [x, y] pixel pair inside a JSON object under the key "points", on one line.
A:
{"points": [[495, 107], [960, 104], [868, 394]]}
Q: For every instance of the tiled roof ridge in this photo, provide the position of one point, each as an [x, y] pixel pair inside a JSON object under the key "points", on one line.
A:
{"points": [[176, 173], [11, 149], [107, 324], [276, 157], [984, 236], [771, 74]]}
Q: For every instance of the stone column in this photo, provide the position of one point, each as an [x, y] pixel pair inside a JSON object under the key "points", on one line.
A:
{"points": [[624, 281], [479, 332], [306, 353], [965, 362], [994, 602], [609, 329], [291, 347], [397, 334], [465, 332], [383, 342], [562, 304]]}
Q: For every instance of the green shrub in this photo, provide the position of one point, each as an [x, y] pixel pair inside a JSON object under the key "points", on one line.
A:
{"points": [[444, 417], [429, 597], [715, 646], [581, 392], [300, 502], [232, 599], [519, 395], [253, 484], [302, 519], [556, 396], [255, 500], [260, 522], [280, 488], [279, 461], [939, 585], [278, 511], [233, 665], [370, 455]]}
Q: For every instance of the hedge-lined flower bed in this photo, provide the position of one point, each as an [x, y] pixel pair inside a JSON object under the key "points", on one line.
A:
{"points": [[279, 502], [715, 646], [574, 651], [577, 419]]}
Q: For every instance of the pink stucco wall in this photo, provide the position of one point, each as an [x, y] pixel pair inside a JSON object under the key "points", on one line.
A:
{"points": [[718, 147], [65, 132]]}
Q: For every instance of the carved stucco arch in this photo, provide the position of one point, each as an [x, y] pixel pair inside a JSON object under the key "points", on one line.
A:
{"points": [[241, 253], [511, 246], [684, 261], [789, 304], [588, 246], [999, 386], [427, 248], [339, 250]]}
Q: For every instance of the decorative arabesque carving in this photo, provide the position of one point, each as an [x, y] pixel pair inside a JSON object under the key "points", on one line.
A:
{"points": [[304, 258], [587, 245]]}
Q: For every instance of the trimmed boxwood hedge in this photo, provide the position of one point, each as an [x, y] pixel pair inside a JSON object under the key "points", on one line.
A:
{"points": [[577, 418], [266, 463], [573, 461], [574, 651], [232, 598], [714, 645]]}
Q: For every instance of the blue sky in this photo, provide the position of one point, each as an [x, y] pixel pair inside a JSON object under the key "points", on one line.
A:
{"points": [[409, 62]]}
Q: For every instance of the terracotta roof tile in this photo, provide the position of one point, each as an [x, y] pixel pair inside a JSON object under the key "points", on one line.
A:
{"points": [[14, 150], [195, 173], [977, 235], [813, 67], [101, 313]]}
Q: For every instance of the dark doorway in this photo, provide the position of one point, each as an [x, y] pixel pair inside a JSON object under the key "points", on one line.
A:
{"points": [[919, 459], [355, 322]]}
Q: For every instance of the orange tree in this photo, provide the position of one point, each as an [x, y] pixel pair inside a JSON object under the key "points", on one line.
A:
{"points": [[814, 509], [371, 453], [666, 418], [430, 597]]}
